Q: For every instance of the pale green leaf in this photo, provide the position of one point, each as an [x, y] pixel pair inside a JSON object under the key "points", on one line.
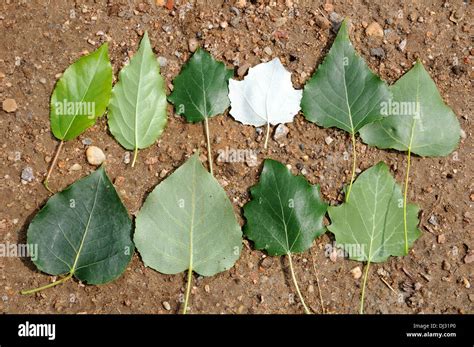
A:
{"points": [[137, 110], [417, 118], [188, 223]]}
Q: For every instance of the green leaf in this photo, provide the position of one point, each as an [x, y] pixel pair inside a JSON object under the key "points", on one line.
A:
{"points": [[200, 90], [343, 92], [372, 221], [81, 94], [83, 231], [286, 213], [137, 110], [188, 223], [370, 227], [417, 118]]}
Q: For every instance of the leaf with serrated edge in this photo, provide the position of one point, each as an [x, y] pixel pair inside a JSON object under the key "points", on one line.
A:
{"points": [[422, 122], [84, 231], [343, 92], [285, 214], [200, 90], [370, 227], [265, 96], [188, 223], [81, 94], [137, 110]]}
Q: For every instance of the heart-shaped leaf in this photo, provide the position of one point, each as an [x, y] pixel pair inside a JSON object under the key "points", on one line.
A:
{"points": [[417, 119], [265, 96], [285, 214], [81, 94], [83, 231], [200, 91], [137, 110], [343, 92], [188, 223], [369, 227]]}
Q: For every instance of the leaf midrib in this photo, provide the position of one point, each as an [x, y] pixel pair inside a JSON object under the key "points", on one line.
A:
{"points": [[78, 254]]}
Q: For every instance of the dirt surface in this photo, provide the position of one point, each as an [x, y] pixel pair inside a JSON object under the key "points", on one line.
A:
{"points": [[40, 39]]}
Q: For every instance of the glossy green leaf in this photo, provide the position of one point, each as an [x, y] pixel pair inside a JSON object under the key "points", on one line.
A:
{"points": [[343, 92], [370, 227], [83, 231], [188, 223], [137, 110], [200, 90], [417, 118], [81, 94], [286, 213]]}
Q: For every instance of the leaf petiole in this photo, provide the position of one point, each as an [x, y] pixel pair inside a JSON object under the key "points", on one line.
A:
{"points": [[53, 164], [50, 285], [306, 309], [209, 155], [364, 284], [267, 135], [354, 161], [188, 290]]}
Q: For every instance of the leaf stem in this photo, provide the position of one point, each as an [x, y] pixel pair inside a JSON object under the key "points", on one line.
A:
{"points": [[62, 280], [188, 290], [267, 135], [209, 155], [354, 160], [135, 154], [306, 309], [362, 296], [53, 164], [405, 193]]}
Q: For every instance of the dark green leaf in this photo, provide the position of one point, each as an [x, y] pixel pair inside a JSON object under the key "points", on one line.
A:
{"points": [[286, 213], [84, 231], [343, 92], [200, 90]]}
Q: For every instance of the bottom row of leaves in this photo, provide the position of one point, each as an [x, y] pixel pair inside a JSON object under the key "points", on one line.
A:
{"points": [[188, 223]]}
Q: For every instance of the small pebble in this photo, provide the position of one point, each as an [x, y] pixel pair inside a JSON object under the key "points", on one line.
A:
{"points": [[469, 258], [446, 266], [377, 52], [268, 51], [242, 70], [75, 167], [402, 45], [166, 305], [280, 132], [9, 105], [356, 272], [162, 61], [432, 220], [441, 238], [328, 140], [374, 29], [86, 141], [126, 158], [193, 45], [27, 175], [95, 156]]}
